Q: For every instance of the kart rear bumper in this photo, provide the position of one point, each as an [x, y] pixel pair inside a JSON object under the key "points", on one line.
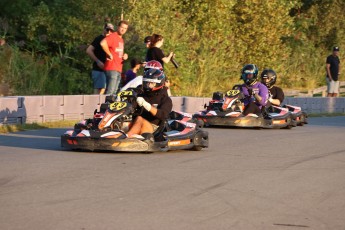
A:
{"points": [[248, 121]]}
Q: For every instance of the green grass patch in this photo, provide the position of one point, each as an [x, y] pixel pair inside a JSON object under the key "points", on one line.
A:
{"points": [[32, 126], [326, 114]]}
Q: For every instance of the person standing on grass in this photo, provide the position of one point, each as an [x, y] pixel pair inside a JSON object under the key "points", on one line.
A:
{"points": [[132, 72], [113, 45], [155, 52], [97, 54], [333, 71]]}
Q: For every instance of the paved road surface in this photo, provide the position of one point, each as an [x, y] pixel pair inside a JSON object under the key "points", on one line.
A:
{"points": [[246, 179]]}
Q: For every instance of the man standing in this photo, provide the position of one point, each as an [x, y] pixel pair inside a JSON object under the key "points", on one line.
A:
{"points": [[98, 55], [333, 71], [113, 46]]}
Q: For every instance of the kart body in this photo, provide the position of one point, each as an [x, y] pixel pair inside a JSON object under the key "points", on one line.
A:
{"points": [[115, 117], [227, 111]]}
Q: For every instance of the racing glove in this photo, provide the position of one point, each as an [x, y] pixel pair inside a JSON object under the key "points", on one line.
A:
{"points": [[255, 91], [142, 103]]}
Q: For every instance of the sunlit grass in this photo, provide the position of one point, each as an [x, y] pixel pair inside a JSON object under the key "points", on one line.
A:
{"points": [[326, 114], [32, 126]]}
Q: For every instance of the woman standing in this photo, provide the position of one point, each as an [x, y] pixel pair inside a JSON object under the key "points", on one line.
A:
{"points": [[155, 53]]}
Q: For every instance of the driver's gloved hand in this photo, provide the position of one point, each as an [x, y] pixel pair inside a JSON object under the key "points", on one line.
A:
{"points": [[255, 91], [250, 91], [142, 103]]}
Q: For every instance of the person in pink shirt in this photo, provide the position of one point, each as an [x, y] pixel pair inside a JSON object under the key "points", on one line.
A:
{"points": [[113, 45]]}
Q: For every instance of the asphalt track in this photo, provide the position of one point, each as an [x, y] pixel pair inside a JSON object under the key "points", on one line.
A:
{"points": [[246, 179]]}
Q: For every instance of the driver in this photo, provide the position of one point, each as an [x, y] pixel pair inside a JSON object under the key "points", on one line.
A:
{"points": [[256, 93], [137, 82], [155, 102], [276, 94]]}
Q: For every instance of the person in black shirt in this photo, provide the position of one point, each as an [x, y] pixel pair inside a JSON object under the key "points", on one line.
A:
{"points": [[156, 105], [155, 53], [155, 101], [333, 70], [269, 78], [97, 54]]}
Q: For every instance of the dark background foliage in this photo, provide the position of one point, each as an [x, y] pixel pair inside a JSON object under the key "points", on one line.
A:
{"points": [[46, 40]]}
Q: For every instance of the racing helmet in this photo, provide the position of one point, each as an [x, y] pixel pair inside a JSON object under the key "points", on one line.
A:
{"points": [[249, 74], [268, 74], [153, 65], [153, 75]]}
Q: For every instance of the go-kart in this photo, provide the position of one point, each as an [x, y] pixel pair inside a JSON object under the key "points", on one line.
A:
{"points": [[299, 116], [113, 120], [227, 111]]}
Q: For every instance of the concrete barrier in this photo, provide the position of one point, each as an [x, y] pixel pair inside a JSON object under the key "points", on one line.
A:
{"points": [[29, 109]]}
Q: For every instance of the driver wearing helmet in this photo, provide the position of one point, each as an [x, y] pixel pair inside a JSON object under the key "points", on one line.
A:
{"points": [[153, 65], [138, 81], [155, 102], [256, 93], [276, 94]]}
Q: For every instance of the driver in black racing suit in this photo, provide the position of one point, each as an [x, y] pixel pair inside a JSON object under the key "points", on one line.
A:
{"points": [[155, 102]]}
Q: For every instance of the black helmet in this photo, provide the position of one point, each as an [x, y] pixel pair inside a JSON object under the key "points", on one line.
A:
{"points": [[268, 74], [249, 74], [153, 75]]}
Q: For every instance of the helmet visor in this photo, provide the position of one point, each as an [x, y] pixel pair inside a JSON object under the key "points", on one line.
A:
{"points": [[152, 80], [247, 75]]}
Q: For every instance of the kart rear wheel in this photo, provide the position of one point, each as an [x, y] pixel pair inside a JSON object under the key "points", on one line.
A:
{"points": [[289, 121], [302, 120]]}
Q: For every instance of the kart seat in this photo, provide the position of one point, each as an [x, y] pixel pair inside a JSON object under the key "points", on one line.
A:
{"points": [[175, 125], [175, 116]]}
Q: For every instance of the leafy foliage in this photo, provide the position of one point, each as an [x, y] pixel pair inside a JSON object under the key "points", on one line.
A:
{"points": [[212, 40]]}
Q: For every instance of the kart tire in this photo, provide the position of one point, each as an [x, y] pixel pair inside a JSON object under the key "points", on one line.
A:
{"points": [[199, 123], [302, 120], [288, 121], [197, 148]]}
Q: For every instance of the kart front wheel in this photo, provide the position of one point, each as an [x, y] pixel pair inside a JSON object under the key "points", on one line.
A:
{"points": [[197, 148]]}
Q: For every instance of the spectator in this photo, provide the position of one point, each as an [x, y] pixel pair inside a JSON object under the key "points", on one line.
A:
{"points": [[113, 45], [132, 72], [98, 55], [147, 41], [333, 71], [155, 53]]}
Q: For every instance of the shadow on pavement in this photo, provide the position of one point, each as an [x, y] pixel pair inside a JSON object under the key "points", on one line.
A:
{"points": [[48, 139]]}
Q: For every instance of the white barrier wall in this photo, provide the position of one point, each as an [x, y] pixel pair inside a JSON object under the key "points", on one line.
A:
{"points": [[28, 109]]}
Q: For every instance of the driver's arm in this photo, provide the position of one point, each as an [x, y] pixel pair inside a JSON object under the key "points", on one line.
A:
{"points": [[164, 109]]}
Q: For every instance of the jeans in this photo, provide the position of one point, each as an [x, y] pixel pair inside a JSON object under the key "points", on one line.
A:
{"points": [[99, 79], [113, 81]]}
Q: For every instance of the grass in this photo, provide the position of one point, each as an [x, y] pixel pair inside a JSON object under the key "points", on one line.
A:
{"points": [[326, 114], [33, 126]]}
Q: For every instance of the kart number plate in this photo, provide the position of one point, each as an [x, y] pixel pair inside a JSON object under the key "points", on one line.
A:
{"points": [[125, 93], [232, 92], [116, 106]]}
